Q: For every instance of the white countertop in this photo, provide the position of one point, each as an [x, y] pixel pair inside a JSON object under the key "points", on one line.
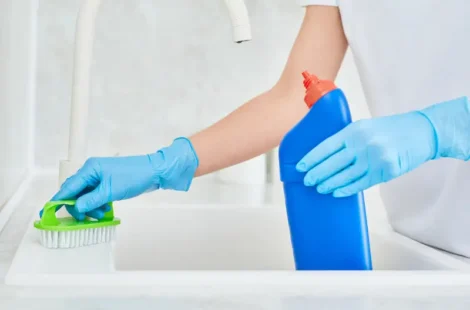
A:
{"points": [[39, 189]]}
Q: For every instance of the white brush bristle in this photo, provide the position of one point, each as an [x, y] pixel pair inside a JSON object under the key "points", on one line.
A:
{"points": [[77, 238]]}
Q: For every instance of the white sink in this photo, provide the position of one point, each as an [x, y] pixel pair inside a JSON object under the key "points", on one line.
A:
{"points": [[199, 245], [195, 237]]}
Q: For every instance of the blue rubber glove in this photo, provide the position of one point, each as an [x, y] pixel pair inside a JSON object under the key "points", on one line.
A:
{"points": [[369, 152], [103, 180]]}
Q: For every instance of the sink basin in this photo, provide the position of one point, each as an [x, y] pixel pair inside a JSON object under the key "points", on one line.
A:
{"points": [[234, 237], [196, 237], [221, 246]]}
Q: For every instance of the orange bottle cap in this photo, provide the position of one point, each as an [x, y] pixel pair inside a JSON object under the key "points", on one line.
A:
{"points": [[315, 88]]}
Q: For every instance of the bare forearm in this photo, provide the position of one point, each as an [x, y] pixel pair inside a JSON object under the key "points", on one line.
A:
{"points": [[253, 129], [260, 124]]}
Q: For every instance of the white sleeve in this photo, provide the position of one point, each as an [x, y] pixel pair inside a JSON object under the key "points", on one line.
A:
{"points": [[317, 2]]}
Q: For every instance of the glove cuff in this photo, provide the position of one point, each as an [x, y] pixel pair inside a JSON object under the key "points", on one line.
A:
{"points": [[191, 154], [451, 123], [175, 165], [435, 139]]}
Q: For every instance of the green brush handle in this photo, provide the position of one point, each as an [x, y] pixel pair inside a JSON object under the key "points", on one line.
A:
{"points": [[49, 214]]}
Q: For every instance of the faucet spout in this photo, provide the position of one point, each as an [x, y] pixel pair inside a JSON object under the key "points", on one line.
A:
{"points": [[240, 20], [84, 37]]}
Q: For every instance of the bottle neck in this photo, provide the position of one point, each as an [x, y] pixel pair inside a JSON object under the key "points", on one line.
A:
{"points": [[315, 88]]}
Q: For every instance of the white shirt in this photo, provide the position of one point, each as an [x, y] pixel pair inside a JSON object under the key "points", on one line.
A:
{"points": [[411, 54]]}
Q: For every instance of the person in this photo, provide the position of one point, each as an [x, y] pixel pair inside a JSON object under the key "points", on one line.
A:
{"points": [[413, 61]]}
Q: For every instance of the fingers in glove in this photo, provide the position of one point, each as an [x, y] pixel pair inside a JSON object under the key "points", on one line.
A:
{"points": [[65, 194], [73, 212], [96, 213], [77, 183], [353, 188], [348, 176], [92, 200], [99, 213], [106, 208], [328, 168], [320, 153]]}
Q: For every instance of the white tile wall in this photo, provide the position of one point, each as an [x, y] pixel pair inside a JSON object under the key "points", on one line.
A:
{"points": [[161, 69], [16, 26]]}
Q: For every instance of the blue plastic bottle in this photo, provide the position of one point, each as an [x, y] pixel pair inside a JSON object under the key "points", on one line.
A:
{"points": [[327, 233]]}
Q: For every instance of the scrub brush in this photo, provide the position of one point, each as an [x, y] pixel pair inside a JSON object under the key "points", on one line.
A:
{"points": [[67, 232]]}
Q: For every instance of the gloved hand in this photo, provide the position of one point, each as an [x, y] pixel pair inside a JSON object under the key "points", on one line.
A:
{"points": [[377, 150], [103, 180]]}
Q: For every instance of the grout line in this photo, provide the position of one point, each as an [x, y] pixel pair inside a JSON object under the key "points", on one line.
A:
{"points": [[11, 204]]}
